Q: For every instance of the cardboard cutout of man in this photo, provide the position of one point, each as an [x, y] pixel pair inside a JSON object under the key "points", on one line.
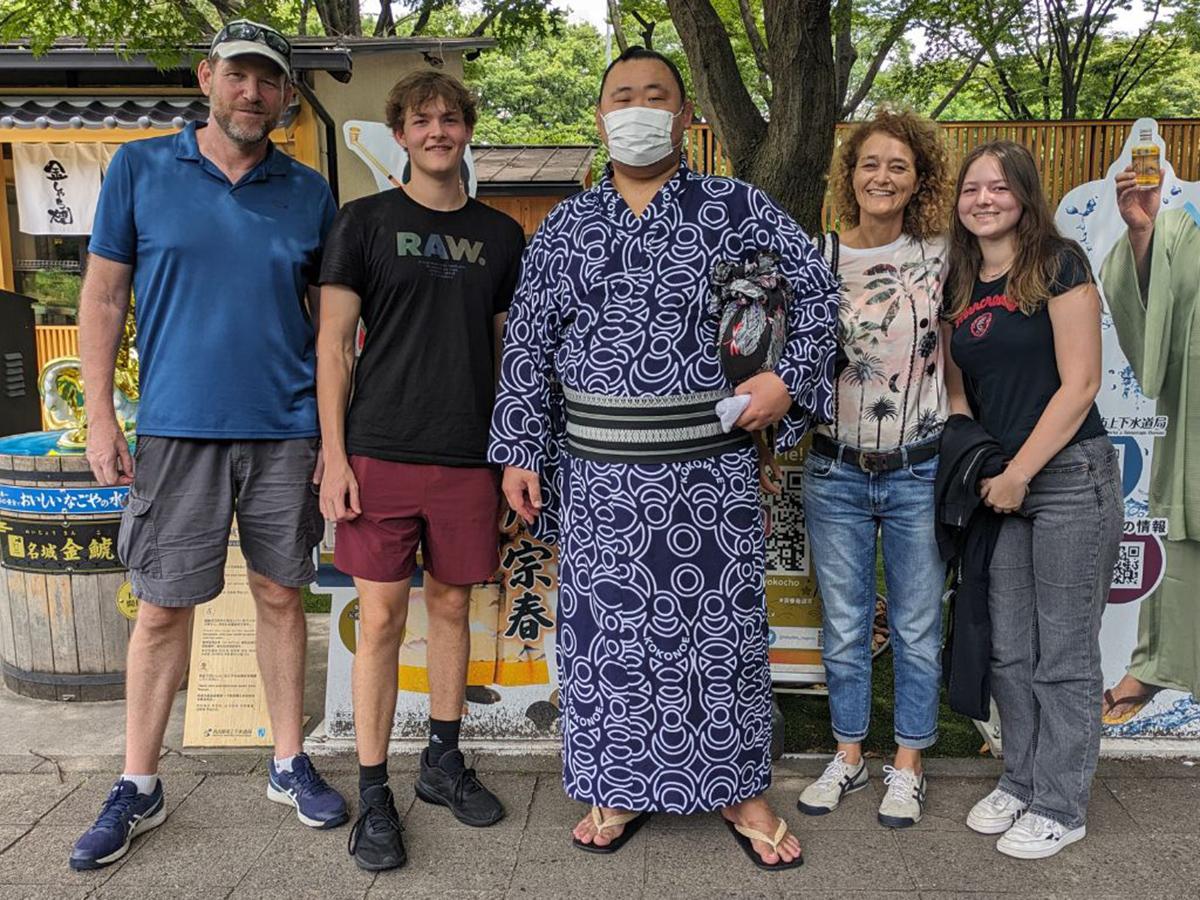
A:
{"points": [[1151, 279]]}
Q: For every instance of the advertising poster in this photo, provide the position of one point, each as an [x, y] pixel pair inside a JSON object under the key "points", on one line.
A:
{"points": [[793, 607], [511, 682], [1150, 401], [226, 703], [374, 144]]}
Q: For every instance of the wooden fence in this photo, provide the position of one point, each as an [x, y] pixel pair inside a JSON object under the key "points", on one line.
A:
{"points": [[1068, 153], [54, 341]]}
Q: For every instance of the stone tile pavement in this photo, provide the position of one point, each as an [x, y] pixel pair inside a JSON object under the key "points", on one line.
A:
{"points": [[224, 839]]}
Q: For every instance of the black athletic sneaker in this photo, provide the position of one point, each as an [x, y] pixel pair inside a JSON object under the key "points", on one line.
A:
{"points": [[375, 840], [450, 783]]}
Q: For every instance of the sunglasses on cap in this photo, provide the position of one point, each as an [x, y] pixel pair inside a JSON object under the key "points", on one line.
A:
{"points": [[243, 30]]}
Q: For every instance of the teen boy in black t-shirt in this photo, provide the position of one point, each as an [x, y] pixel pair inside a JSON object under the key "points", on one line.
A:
{"points": [[431, 272]]}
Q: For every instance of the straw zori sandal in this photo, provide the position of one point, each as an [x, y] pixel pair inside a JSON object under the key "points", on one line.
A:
{"points": [[633, 821], [744, 835]]}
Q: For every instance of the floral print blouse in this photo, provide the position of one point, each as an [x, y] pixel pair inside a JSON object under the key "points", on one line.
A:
{"points": [[891, 391]]}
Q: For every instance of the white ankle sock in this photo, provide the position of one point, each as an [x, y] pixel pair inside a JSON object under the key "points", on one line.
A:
{"points": [[285, 764], [145, 783]]}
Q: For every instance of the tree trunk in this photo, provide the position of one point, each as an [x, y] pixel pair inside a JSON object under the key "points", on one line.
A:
{"points": [[614, 19], [793, 161], [845, 53], [787, 155], [792, 170], [647, 27], [385, 25], [340, 17], [1070, 100], [423, 15]]}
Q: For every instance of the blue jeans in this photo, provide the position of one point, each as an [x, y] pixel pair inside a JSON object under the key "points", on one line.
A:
{"points": [[844, 509]]}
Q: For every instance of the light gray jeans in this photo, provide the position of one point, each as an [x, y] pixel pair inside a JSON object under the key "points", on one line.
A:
{"points": [[1050, 577]]}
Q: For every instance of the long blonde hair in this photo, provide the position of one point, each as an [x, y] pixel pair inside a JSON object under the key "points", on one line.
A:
{"points": [[1039, 245]]}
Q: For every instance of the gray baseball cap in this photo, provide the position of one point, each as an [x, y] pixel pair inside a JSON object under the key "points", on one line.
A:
{"points": [[242, 37]]}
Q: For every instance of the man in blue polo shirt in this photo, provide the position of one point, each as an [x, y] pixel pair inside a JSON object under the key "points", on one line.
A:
{"points": [[219, 236]]}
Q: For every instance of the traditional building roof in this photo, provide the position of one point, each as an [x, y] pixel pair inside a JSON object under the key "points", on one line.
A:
{"points": [[565, 166], [130, 110]]}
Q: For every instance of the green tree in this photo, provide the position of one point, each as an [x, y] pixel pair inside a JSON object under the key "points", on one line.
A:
{"points": [[508, 21], [779, 149], [1043, 58], [543, 92], [866, 33], [772, 77], [160, 28]]}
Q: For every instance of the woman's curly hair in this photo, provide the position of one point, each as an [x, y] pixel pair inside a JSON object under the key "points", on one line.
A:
{"points": [[925, 215]]}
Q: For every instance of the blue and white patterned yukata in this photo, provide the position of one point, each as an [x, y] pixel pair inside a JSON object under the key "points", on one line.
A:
{"points": [[664, 683]]}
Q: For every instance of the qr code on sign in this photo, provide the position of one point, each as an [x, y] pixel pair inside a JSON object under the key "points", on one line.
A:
{"points": [[1128, 571], [787, 541]]}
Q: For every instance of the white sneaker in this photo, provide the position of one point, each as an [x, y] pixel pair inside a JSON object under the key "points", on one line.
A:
{"points": [[838, 780], [995, 813], [905, 798], [1036, 837]]}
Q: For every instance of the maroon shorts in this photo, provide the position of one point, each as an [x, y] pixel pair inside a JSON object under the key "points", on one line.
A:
{"points": [[451, 512]]}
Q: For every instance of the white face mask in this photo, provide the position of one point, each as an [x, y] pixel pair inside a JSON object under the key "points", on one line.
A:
{"points": [[640, 135]]}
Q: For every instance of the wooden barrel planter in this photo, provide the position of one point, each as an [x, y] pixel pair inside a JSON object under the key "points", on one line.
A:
{"points": [[63, 635]]}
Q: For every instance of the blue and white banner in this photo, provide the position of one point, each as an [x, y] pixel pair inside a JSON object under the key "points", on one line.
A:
{"points": [[40, 501]]}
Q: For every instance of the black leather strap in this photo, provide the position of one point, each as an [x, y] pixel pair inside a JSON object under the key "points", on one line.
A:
{"points": [[875, 461]]}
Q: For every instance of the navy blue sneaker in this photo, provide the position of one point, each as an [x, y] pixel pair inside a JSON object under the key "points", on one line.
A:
{"points": [[124, 816], [317, 804]]}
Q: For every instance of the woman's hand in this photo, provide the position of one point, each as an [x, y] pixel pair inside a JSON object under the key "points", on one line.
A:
{"points": [[1005, 493]]}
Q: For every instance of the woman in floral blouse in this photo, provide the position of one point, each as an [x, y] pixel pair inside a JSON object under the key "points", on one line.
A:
{"points": [[871, 471]]}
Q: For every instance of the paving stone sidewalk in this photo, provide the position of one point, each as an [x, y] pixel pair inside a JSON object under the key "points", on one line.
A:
{"points": [[223, 838]]}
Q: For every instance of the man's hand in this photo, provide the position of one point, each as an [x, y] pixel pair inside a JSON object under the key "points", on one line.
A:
{"points": [[339, 492], [1138, 205], [319, 468], [769, 401], [1005, 493], [523, 491], [108, 452], [770, 476], [502, 511]]}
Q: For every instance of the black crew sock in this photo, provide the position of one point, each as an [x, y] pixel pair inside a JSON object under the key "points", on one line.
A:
{"points": [[443, 737], [372, 776]]}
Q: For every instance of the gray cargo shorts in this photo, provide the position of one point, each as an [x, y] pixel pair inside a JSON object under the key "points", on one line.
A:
{"points": [[175, 526]]}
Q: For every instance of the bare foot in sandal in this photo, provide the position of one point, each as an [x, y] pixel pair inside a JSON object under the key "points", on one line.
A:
{"points": [[605, 830], [587, 832], [1126, 699], [756, 813]]}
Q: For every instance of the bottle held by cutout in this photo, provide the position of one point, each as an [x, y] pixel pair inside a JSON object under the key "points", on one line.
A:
{"points": [[1146, 168]]}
